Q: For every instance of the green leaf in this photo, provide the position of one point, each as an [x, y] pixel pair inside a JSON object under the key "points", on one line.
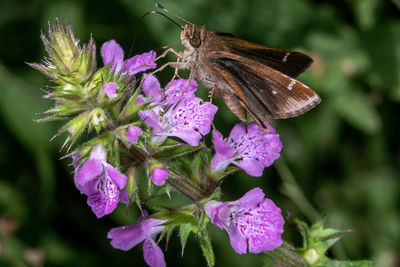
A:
{"points": [[130, 109], [67, 109], [77, 126], [131, 185], [175, 217], [206, 246], [361, 263], [317, 241], [184, 232]]}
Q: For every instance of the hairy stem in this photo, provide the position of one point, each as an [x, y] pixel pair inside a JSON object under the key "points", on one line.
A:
{"points": [[286, 255]]}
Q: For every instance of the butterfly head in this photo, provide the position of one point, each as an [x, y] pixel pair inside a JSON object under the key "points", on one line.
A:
{"points": [[193, 36]]}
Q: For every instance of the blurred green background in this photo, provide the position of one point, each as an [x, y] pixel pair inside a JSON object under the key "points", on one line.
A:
{"points": [[344, 154]]}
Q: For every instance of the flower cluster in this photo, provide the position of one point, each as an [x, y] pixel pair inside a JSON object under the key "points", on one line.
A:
{"points": [[141, 125]]}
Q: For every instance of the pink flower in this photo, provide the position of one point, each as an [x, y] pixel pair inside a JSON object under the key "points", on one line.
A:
{"points": [[252, 221], [146, 230], [189, 120], [252, 149], [113, 55], [100, 181], [171, 93], [110, 90], [133, 133], [158, 175]]}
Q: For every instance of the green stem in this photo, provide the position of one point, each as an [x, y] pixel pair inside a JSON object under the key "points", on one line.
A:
{"points": [[181, 184], [287, 255], [293, 190], [186, 187]]}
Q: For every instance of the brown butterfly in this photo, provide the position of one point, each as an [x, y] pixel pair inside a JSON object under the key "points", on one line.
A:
{"points": [[248, 77]]}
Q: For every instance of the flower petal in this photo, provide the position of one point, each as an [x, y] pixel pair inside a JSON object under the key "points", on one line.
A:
{"points": [[190, 119], [251, 166], [174, 90], [90, 170], [152, 254], [238, 131], [151, 119], [252, 217], [158, 175], [133, 133], [151, 87], [140, 63], [266, 228], [116, 177], [255, 149], [103, 196], [190, 136], [113, 55], [126, 237], [212, 209], [251, 199], [238, 241], [224, 153], [110, 90], [98, 153]]}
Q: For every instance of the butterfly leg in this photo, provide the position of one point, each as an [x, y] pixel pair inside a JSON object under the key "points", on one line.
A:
{"points": [[175, 65], [187, 86], [164, 54], [173, 77], [211, 93]]}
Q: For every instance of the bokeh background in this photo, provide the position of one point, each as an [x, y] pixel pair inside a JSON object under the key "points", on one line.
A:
{"points": [[344, 155]]}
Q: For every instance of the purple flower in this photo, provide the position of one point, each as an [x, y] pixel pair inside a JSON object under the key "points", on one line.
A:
{"points": [[110, 90], [158, 175], [100, 181], [152, 88], [252, 221], [113, 55], [188, 121], [145, 231], [176, 89], [251, 150], [133, 133], [171, 93]]}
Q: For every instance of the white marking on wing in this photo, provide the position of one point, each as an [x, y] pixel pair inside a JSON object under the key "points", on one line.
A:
{"points": [[284, 59], [291, 84]]}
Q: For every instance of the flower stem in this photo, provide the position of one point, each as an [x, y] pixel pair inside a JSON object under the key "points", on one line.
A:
{"points": [[180, 183], [293, 190], [186, 187], [287, 255]]}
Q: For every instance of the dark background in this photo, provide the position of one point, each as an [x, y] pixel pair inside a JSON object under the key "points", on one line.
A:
{"points": [[344, 154]]}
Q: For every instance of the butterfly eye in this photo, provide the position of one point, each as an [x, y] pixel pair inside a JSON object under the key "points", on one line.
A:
{"points": [[195, 42]]}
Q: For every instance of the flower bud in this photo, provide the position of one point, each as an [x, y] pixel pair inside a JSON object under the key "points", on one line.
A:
{"points": [[97, 120], [311, 256], [157, 172], [67, 60]]}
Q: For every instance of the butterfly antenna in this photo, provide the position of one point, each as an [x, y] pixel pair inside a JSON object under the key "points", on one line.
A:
{"points": [[162, 14], [140, 22], [173, 14]]}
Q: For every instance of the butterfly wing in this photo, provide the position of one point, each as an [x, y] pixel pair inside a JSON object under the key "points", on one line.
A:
{"points": [[262, 90], [288, 62]]}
